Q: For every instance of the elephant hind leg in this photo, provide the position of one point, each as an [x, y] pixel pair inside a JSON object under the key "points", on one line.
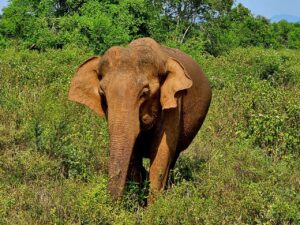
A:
{"points": [[171, 179], [174, 160]]}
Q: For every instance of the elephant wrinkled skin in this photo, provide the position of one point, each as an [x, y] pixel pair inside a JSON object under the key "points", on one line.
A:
{"points": [[155, 100]]}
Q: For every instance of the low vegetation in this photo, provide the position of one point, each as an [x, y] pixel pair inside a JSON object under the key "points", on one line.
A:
{"points": [[242, 168]]}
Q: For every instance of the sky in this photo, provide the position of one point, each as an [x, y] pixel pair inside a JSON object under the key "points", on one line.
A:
{"points": [[270, 8], [267, 8], [2, 4]]}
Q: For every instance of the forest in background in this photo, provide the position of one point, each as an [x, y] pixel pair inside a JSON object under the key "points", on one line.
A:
{"points": [[208, 25], [243, 166]]}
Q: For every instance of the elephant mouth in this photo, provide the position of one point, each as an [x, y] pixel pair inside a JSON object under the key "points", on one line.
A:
{"points": [[147, 122]]}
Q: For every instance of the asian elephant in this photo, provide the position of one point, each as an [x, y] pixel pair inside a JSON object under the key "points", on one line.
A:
{"points": [[155, 100]]}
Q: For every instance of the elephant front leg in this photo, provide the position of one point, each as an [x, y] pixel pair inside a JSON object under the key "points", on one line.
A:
{"points": [[164, 152]]}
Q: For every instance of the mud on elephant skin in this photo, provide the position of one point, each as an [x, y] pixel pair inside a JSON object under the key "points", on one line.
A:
{"points": [[155, 100]]}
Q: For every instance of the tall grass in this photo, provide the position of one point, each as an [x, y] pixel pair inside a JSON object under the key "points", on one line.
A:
{"points": [[243, 166]]}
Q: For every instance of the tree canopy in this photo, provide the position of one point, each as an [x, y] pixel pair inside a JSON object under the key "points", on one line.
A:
{"points": [[209, 25]]}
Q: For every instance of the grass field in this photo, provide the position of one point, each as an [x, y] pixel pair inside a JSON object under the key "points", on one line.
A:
{"points": [[242, 168]]}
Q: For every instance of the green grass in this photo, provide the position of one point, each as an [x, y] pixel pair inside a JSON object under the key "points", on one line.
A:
{"points": [[242, 168]]}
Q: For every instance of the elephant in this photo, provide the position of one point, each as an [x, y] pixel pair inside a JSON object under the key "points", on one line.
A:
{"points": [[154, 99]]}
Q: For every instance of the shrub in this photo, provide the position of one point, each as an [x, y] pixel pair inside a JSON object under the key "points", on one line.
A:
{"points": [[242, 167]]}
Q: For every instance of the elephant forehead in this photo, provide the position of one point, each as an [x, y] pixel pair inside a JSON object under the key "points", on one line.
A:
{"points": [[138, 59], [124, 77]]}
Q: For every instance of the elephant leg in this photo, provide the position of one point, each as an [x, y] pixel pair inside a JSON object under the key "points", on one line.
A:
{"points": [[136, 171], [171, 178], [174, 159], [164, 151]]}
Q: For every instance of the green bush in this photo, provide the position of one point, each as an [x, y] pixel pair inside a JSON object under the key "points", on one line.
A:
{"points": [[242, 167], [238, 185]]}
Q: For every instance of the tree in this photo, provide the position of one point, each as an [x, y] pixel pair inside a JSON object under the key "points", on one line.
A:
{"points": [[211, 25], [96, 24]]}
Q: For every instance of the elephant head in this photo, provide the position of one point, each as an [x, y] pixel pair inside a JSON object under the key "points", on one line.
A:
{"points": [[130, 86]]}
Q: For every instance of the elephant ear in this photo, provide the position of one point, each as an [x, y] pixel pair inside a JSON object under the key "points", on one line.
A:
{"points": [[85, 85], [177, 80]]}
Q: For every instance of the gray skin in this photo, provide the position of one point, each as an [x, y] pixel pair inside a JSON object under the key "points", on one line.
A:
{"points": [[155, 100]]}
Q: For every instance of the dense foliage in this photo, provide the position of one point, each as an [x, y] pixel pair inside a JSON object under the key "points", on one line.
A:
{"points": [[243, 166], [216, 26]]}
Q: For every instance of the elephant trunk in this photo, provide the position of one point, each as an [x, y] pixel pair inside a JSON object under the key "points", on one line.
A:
{"points": [[123, 131]]}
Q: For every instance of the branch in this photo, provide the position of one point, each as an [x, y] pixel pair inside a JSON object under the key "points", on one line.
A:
{"points": [[184, 34]]}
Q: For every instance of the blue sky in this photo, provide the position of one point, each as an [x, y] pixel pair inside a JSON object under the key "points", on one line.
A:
{"points": [[3, 3], [267, 8]]}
